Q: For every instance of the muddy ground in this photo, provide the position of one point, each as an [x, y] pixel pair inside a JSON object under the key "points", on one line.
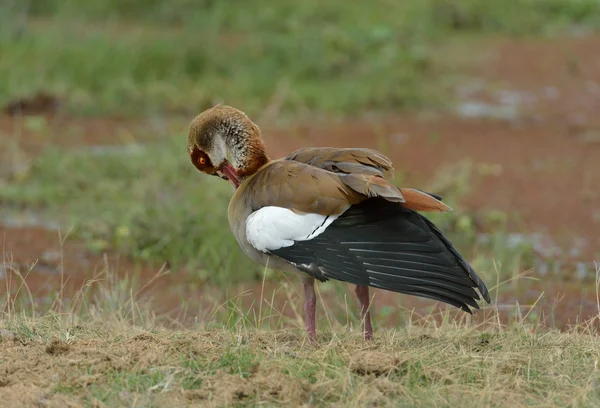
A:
{"points": [[530, 110]]}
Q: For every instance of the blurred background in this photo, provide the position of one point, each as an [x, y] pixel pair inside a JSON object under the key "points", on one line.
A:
{"points": [[492, 104]]}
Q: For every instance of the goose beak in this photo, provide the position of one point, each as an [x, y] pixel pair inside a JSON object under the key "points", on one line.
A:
{"points": [[229, 173]]}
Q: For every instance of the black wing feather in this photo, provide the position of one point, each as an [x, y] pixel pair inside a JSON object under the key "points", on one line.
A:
{"points": [[387, 246]]}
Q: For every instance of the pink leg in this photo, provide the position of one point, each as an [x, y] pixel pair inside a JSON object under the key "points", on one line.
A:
{"points": [[310, 308], [362, 292]]}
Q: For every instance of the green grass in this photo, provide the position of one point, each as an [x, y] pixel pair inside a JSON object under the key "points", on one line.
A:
{"points": [[100, 359], [134, 57]]}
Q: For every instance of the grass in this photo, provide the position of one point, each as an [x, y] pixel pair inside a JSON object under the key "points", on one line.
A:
{"points": [[88, 353], [141, 58]]}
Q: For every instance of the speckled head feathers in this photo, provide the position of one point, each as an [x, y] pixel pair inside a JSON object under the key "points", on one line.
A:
{"points": [[223, 133]]}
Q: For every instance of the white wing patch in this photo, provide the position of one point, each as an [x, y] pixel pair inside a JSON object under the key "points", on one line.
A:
{"points": [[271, 228]]}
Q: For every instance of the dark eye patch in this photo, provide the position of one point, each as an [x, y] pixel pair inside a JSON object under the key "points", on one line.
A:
{"points": [[196, 157]]}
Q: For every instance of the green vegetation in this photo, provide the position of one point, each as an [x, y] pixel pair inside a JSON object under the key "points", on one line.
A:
{"points": [[100, 357], [138, 57]]}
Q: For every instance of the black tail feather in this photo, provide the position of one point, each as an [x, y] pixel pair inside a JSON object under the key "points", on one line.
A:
{"points": [[384, 245]]}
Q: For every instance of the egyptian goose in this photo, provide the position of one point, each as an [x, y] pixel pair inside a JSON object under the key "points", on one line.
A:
{"points": [[330, 213]]}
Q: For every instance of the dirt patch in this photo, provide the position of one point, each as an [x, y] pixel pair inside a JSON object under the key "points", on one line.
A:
{"points": [[375, 363], [38, 104], [33, 133], [50, 261], [46, 249], [57, 347], [21, 395], [267, 385], [47, 368], [561, 76]]}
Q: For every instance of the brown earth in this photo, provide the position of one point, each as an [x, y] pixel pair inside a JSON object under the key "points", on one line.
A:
{"points": [[32, 134], [528, 110], [87, 362], [101, 364]]}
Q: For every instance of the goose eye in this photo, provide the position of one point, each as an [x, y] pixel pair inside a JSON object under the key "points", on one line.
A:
{"points": [[202, 161]]}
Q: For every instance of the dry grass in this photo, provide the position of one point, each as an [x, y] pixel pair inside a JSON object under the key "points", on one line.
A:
{"points": [[109, 350]]}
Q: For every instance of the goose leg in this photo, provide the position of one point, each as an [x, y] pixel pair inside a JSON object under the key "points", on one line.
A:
{"points": [[362, 292], [310, 308]]}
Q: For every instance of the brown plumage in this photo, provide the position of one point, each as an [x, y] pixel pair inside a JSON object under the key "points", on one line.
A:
{"points": [[330, 213]]}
